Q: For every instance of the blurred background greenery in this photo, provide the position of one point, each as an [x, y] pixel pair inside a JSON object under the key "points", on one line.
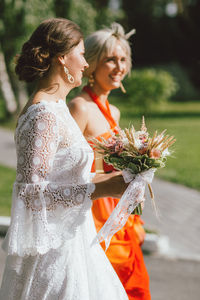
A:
{"points": [[164, 84]]}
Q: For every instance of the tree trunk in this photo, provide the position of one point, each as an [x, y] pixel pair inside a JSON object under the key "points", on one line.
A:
{"points": [[22, 94], [5, 85]]}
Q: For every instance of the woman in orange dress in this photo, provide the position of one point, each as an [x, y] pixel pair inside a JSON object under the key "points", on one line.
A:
{"points": [[109, 56]]}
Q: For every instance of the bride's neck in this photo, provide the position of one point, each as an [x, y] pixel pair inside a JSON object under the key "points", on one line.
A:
{"points": [[52, 88]]}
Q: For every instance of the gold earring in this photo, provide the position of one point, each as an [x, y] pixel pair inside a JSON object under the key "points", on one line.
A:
{"points": [[91, 80], [122, 88], [69, 76]]}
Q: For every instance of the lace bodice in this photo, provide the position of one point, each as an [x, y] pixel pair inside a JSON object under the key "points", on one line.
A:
{"points": [[52, 188]]}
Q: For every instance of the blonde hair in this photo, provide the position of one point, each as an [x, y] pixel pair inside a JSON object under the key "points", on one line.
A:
{"points": [[102, 43]]}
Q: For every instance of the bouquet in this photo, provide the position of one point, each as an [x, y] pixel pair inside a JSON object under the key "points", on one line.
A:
{"points": [[138, 155], [135, 151]]}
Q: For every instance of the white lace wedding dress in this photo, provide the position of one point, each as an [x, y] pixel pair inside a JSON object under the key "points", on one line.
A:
{"points": [[49, 242]]}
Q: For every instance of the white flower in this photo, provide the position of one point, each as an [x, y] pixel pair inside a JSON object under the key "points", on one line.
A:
{"points": [[125, 141], [165, 153]]}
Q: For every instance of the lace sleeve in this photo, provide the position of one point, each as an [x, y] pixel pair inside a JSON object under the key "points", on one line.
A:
{"points": [[37, 146], [44, 212]]}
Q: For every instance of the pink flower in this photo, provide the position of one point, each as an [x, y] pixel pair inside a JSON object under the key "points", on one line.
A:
{"points": [[115, 146], [119, 147], [143, 150], [112, 140], [155, 153]]}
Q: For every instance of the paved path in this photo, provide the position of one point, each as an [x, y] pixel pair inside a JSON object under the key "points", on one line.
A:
{"points": [[179, 207], [7, 148], [173, 279]]}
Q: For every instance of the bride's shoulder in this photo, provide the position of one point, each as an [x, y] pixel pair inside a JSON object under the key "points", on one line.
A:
{"points": [[36, 112], [42, 109]]}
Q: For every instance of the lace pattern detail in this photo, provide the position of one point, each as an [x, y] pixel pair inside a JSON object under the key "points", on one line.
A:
{"points": [[58, 275], [53, 194], [36, 147], [133, 195], [53, 183]]}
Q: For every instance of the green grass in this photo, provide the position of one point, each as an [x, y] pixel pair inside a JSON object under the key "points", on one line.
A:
{"points": [[7, 176], [183, 121], [184, 166]]}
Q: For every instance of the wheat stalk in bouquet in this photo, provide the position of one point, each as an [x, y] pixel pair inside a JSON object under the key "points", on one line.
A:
{"points": [[136, 151]]}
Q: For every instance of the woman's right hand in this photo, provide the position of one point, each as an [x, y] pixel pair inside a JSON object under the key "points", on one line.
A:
{"points": [[112, 185]]}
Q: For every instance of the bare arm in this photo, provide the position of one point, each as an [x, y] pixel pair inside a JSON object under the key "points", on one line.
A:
{"points": [[106, 185], [113, 185]]}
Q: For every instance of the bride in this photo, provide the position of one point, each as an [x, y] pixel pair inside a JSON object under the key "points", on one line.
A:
{"points": [[50, 254]]}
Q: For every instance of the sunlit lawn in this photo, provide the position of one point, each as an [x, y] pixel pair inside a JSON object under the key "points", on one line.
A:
{"points": [[7, 176], [183, 121]]}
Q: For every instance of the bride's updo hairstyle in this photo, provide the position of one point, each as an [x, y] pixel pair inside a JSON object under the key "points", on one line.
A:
{"points": [[53, 37], [102, 43]]}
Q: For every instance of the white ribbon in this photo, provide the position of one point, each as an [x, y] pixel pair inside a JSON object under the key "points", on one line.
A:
{"points": [[133, 195]]}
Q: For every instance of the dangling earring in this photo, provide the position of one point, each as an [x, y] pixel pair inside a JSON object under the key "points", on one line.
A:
{"points": [[69, 76], [122, 88], [91, 80]]}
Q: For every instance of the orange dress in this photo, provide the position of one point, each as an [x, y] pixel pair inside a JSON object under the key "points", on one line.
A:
{"points": [[124, 251]]}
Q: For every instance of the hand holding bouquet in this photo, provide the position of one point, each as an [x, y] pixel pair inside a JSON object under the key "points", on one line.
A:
{"points": [[135, 151], [138, 155]]}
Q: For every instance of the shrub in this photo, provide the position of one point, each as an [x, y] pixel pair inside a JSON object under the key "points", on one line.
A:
{"points": [[187, 91], [149, 87]]}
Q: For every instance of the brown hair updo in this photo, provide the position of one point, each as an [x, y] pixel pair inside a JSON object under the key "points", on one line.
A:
{"points": [[53, 37]]}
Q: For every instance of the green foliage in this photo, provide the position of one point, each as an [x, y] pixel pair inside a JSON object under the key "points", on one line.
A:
{"points": [[135, 164], [187, 91], [164, 37], [81, 12], [106, 16], [17, 21], [84, 14], [149, 87], [89, 15]]}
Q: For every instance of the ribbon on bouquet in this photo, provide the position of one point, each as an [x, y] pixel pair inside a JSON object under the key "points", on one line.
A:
{"points": [[133, 195]]}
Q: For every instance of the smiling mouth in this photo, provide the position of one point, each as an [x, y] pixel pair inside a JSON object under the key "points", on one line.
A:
{"points": [[116, 78]]}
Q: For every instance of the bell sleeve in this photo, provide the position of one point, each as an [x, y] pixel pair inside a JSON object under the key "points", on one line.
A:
{"points": [[44, 213]]}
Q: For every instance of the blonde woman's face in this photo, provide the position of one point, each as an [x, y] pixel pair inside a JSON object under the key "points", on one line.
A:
{"points": [[111, 69]]}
